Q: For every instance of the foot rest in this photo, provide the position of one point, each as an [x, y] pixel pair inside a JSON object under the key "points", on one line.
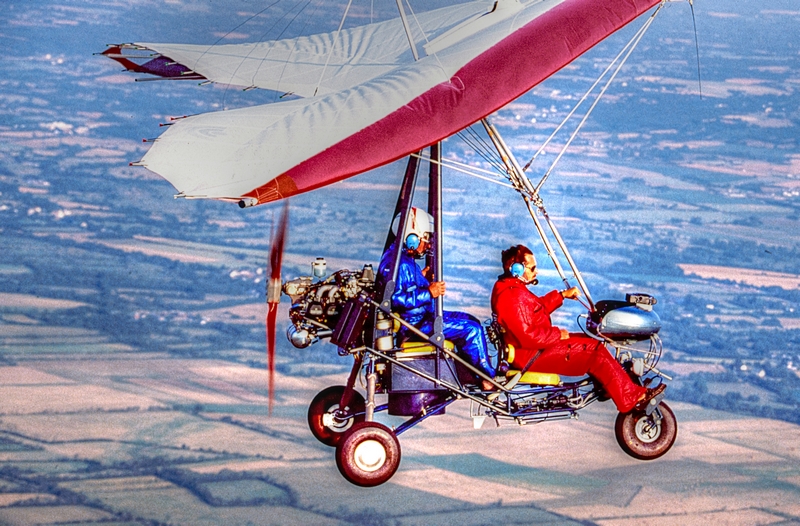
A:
{"points": [[536, 378]]}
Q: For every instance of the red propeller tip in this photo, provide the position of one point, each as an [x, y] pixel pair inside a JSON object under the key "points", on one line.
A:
{"points": [[274, 296]]}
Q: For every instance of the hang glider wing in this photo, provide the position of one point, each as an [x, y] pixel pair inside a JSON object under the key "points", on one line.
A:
{"points": [[374, 104], [304, 66]]}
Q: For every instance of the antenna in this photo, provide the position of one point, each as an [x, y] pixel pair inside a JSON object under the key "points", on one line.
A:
{"points": [[697, 49]]}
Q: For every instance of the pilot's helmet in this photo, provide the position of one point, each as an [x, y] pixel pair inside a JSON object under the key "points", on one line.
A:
{"points": [[418, 229]]}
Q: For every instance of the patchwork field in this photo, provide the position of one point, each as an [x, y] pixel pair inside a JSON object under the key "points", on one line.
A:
{"points": [[189, 442]]}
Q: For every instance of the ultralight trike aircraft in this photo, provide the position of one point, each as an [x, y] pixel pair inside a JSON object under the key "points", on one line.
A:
{"points": [[423, 374], [361, 97]]}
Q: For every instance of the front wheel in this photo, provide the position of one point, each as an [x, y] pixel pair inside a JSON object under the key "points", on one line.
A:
{"points": [[325, 419], [368, 455], [646, 437]]}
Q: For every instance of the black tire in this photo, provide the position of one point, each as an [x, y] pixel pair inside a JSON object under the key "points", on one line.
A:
{"points": [[323, 407], [368, 455], [644, 437]]}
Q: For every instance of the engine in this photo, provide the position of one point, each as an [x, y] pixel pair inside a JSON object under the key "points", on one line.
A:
{"points": [[317, 303]]}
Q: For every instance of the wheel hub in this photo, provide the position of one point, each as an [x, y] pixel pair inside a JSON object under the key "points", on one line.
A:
{"points": [[332, 421], [369, 455], [647, 430]]}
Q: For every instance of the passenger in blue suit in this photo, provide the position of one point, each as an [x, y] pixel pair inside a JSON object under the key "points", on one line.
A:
{"points": [[414, 294]]}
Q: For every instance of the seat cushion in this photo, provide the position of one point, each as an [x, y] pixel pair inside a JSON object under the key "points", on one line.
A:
{"points": [[532, 377], [423, 348]]}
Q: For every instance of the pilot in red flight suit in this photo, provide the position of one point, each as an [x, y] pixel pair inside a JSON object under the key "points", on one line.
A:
{"points": [[526, 319]]}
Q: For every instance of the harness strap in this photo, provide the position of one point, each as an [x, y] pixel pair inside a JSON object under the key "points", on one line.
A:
{"points": [[530, 362]]}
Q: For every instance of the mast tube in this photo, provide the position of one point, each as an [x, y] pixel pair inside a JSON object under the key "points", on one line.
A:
{"points": [[407, 29], [435, 209]]}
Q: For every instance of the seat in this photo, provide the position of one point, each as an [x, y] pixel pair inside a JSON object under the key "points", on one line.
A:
{"points": [[530, 377], [410, 349], [535, 378]]}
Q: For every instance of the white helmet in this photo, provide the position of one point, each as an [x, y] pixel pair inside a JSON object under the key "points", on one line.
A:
{"points": [[419, 227]]}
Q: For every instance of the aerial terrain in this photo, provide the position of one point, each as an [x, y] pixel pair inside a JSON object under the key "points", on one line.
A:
{"points": [[132, 365]]}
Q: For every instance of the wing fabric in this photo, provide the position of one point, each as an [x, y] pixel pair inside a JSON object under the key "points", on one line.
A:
{"points": [[371, 116], [226, 154], [296, 65]]}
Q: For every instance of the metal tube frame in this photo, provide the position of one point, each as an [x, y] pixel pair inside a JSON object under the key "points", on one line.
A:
{"points": [[533, 201], [402, 207], [434, 259], [407, 29], [444, 350], [497, 409], [447, 385]]}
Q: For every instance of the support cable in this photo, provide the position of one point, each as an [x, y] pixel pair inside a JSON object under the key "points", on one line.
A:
{"points": [[581, 101], [333, 45], [407, 29], [637, 38], [234, 29], [468, 170], [286, 63], [424, 35], [479, 146], [532, 199], [263, 35], [490, 154]]}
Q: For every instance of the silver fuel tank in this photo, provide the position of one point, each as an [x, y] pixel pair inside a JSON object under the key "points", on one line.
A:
{"points": [[633, 319]]}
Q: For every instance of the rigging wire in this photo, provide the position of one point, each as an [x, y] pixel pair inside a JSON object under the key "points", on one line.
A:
{"points": [[302, 30], [488, 152], [481, 147], [220, 39], [286, 28], [498, 169], [333, 45], [637, 38], [264, 34], [427, 41], [581, 101], [465, 169]]}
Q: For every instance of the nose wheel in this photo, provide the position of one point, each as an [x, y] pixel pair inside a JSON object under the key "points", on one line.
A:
{"points": [[646, 437], [368, 454]]}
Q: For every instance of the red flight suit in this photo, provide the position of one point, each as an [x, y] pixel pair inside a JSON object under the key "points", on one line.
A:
{"points": [[526, 319]]}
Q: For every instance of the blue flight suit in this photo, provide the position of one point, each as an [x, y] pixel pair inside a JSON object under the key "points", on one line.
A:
{"points": [[413, 302]]}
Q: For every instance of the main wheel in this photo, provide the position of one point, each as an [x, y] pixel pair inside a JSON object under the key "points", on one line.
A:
{"points": [[646, 437], [326, 421], [368, 455]]}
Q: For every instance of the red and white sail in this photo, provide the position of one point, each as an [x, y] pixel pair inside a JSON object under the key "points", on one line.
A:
{"points": [[367, 101]]}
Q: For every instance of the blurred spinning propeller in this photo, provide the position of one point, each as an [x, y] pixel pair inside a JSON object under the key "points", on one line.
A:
{"points": [[274, 294]]}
